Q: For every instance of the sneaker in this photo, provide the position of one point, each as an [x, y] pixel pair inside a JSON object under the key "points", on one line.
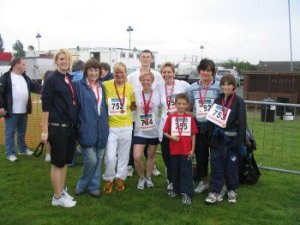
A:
{"points": [[65, 193], [95, 194], [120, 186], [201, 187], [27, 152], [130, 171], [149, 182], [108, 186], [63, 201], [186, 200], [155, 171], [170, 187], [232, 196], [12, 158], [223, 191], [48, 157], [213, 198], [141, 183], [172, 194]]}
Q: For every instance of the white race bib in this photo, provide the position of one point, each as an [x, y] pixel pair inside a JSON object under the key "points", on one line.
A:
{"points": [[114, 107], [147, 122], [215, 115], [185, 125], [172, 105], [202, 111]]}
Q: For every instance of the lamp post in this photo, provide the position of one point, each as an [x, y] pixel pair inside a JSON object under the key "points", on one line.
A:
{"points": [[290, 29], [129, 29], [38, 36], [201, 49]]}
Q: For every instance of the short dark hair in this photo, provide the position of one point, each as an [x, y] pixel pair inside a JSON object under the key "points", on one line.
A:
{"points": [[207, 64], [182, 96], [229, 78], [147, 51], [91, 63], [78, 65], [14, 62], [105, 66]]}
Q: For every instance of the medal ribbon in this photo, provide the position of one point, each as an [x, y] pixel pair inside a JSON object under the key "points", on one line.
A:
{"points": [[169, 97], [146, 103], [224, 110], [123, 100], [182, 125], [69, 82], [202, 99]]}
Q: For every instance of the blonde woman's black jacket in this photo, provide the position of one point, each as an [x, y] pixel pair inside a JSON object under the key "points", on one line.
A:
{"points": [[6, 98], [237, 122]]}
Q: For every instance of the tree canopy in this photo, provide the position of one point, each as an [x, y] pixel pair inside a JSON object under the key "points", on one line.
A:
{"points": [[239, 65], [19, 49]]}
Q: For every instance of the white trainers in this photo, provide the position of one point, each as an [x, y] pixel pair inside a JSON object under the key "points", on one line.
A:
{"points": [[149, 182], [65, 193], [213, 198], [170, 187], [27, 152], [130, 171], [232, 196], [63, 201], [48, 157], [12, 158], [141, 183], [201, 187], [155, 171]]}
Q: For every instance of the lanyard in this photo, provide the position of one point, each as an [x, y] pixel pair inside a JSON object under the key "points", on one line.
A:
{"points": [[97, 94], [180, 128], [69, 82], [228, 106], [202, 99], [123, 100], [146, 104], [169, 97]]}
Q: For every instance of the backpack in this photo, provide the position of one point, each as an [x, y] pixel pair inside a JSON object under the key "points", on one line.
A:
{"points": [[248, 170]]}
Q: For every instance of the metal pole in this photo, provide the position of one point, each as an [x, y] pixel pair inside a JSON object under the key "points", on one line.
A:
{"points": [[290, 29], [129, 39]]}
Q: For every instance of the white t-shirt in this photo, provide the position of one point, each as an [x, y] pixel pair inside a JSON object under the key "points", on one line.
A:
{"points": [[156, 115], [20, 93], [134, 79]]}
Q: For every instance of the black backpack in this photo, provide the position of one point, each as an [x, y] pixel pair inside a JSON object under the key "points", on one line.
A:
{"points": [[248, 169]]}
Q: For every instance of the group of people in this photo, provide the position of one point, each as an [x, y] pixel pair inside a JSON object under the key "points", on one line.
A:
{"points": [[118, 116]]}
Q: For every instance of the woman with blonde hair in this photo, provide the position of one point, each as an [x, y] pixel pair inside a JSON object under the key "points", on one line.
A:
{"points": [[120, 100], [59, 125]]}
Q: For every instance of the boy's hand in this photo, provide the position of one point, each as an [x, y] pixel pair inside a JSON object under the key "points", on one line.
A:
{"points": [[174, 138], [191, 154]]}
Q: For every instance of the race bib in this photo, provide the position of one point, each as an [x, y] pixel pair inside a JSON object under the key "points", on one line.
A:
{"points": [[172, 108], [202, 111], [185, 125], [147, 122], [114, 107], [215, 115]]}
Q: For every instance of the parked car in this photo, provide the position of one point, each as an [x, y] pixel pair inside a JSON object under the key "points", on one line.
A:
{"points": [[223, 71]]}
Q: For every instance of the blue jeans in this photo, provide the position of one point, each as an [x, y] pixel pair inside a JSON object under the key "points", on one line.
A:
{"points": [[91, 170], [16, 122]]}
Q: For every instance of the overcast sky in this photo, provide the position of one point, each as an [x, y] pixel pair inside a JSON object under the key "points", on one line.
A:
{"points": [[249, 30]]}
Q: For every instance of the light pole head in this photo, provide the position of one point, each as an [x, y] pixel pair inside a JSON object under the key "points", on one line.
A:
{"points": [[129, 28], [38, 35], [201, 47]]}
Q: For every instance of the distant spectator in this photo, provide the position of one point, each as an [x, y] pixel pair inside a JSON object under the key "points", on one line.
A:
{"points": [[15, 105], [105, 73], [77, 70]]}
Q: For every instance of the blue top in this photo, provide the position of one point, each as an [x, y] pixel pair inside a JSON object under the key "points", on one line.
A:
{"points": [[93, 130], [76, 76]]}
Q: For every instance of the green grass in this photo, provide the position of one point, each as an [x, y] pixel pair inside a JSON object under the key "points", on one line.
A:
{"points": [[25, 198]]}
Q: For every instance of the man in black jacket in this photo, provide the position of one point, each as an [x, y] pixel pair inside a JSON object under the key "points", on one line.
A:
{"points": [[15, 105]]}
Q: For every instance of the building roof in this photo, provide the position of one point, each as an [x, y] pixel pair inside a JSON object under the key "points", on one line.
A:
{"points": [[5, 56], [278, 66]]}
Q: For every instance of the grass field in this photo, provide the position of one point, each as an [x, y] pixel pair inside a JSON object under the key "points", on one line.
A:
{"points": [[25, 198]]}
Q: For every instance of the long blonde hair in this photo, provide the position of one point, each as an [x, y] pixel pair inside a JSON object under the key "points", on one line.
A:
{"points": [[66, 53]]}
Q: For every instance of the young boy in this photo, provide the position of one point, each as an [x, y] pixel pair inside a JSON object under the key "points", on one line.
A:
{"points": [[181, 128]]}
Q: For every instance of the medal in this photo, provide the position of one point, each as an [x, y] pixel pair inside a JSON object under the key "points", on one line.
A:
{"points": [[122, 111], [121, 100]]}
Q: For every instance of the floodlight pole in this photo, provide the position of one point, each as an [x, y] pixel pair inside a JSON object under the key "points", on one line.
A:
{"points": [[290, 29], [129, 29]]}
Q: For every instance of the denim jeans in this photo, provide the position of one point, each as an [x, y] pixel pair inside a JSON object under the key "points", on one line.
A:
{"points": [[17, 122], [91, 170]]}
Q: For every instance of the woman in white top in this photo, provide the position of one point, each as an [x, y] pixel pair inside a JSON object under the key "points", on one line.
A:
{"points": [[150, 114], [172, 87]]}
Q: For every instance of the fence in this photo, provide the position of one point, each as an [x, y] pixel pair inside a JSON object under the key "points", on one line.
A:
{"points": [[278, 140], [276, 129]]}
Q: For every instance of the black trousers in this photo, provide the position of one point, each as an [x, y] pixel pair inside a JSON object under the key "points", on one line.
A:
{"points": [[202, 154], [182, 174], [165, 151]]}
